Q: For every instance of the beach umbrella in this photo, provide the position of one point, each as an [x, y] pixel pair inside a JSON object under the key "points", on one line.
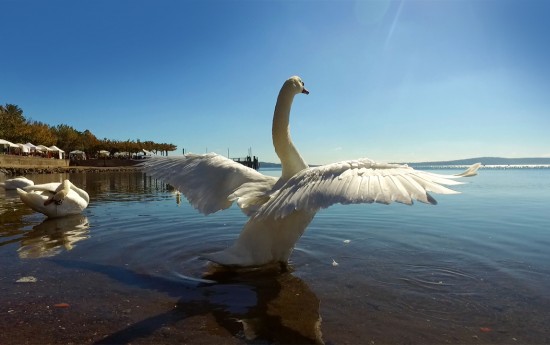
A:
{"points": [[7, 143], [77, 154], [43, 148], [31, 147], [24, 148], [58, 150], [55, 148]]}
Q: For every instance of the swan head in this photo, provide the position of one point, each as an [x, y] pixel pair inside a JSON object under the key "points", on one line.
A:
{"points": [[296, 84]]}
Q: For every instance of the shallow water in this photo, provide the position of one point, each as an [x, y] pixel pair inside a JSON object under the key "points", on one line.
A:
{"points": [[473, 269]]}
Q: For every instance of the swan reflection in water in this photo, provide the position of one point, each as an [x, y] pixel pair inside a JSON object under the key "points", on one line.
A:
{"points": [[256, 305], [281, 309], [53, 235]]}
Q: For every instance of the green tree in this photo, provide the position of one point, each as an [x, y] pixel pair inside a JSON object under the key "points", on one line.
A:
{"points": [[14, 127], [12, 122], [39, 133], [89, 143], [68, 138]]}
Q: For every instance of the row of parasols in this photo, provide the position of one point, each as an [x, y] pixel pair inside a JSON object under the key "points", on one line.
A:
{"points": [[29, 148], [56, 152]]}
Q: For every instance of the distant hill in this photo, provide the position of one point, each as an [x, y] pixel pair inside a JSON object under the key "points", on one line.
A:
{"points": [[269, 165], [467, 161], [488, 161]]}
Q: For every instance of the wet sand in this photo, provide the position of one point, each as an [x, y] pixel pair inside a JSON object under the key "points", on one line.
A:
{"points": [[81, 303], [99, 311], [77, 302]]}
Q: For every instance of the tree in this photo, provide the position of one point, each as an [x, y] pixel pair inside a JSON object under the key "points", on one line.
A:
{"points": [[39, 133], [68, 138], [14, 127], [90, 143], [12, 122]]}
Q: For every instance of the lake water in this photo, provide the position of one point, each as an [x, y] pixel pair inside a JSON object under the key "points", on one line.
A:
{"points": [[473, 269]]}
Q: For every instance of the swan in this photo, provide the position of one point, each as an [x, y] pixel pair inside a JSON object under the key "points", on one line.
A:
{"points": [[280, 209], [16, 182], [470, 171], [55, 199]]}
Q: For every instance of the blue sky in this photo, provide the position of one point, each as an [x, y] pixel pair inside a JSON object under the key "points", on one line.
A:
{"points": [[389, 80]]}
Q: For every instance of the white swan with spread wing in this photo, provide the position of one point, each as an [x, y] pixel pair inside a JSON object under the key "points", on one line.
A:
{"points": [[281, 209], [55, 199]]}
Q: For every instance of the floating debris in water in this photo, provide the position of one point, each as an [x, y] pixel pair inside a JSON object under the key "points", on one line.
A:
{"points": [[29, 279], [61, 305], [334, 263], [347, 241]]}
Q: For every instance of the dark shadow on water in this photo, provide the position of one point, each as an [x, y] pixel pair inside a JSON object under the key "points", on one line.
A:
{"points": [[265, 306]]}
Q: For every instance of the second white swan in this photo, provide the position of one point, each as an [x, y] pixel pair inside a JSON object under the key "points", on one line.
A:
{"points": [[55, 199], [16, 182]]}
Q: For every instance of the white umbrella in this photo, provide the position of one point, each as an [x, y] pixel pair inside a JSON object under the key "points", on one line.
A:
{"points": [[7, 143], [42, 148], [24, 148], [77, 154], [55, 148], [59, 151]]}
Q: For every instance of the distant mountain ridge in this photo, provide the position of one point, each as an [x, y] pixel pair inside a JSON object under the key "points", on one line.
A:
{"points": [[488, 161], [467, 161]]}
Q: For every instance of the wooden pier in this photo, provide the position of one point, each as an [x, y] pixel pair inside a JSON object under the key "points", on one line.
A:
{"points": [[251, 162]]}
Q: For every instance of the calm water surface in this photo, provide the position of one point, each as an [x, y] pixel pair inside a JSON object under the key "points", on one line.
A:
{"points": [[473, 269]]}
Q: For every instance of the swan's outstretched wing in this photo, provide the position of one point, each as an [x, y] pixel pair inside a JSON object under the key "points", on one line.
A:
{"points": [[354, 182], [212, 182]]}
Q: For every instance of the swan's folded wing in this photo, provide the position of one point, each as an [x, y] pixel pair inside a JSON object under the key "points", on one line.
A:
{"points": [[45, 187], [210, 181], [354, 182]]}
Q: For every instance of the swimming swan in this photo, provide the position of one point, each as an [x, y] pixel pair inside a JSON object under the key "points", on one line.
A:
{"points": [[16, 182], [55, 199], [471, 171], [281, 209]]}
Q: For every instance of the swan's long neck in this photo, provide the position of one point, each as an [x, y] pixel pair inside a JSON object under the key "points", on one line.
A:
{"points": [[291, 161]]}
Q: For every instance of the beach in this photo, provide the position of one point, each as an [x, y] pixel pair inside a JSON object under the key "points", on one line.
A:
{"points": [[31, 165]]}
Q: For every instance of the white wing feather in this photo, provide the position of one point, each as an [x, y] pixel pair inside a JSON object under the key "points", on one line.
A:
{"points": [[353, 182], [212, 182]]}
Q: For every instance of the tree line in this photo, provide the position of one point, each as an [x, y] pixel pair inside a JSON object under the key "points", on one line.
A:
{"points": [[16, 128]]}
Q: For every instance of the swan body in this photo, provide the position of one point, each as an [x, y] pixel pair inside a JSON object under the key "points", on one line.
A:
{"points": [[55, 199], [280, 209], [17, 182]]}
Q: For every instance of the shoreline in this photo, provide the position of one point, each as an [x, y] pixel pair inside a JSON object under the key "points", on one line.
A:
{"points": [[18, 171]]}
